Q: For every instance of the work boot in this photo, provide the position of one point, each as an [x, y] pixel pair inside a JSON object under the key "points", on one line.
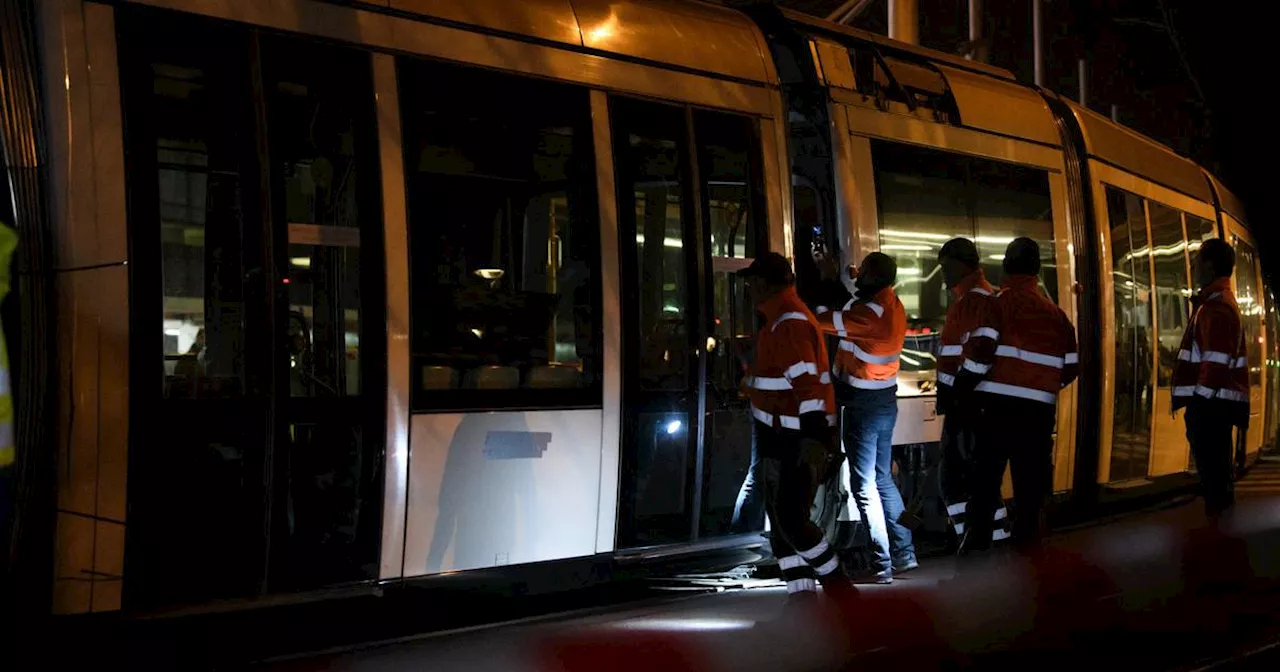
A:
{"points": [[882, 577], [904, 565]]}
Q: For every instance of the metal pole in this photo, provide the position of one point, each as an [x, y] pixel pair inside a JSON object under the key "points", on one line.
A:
{"points": [[1115, 113], [840, 11], [1084, 101], [977, 51], [1037, 55], [902, 21]]}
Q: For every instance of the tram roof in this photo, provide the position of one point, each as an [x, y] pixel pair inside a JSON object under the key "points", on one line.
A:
{"points": [[682, 33]]}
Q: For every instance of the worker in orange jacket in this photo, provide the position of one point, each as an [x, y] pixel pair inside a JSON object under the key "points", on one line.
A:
{"points": [[872, 326], [1211, 376], [1034, 358], [972, 299], [793, 406]]}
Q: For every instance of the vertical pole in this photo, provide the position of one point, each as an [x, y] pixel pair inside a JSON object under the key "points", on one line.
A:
{"points": [[1084, 100], [1037, 45], [903, 24], [977, 52], [1115, 113]]}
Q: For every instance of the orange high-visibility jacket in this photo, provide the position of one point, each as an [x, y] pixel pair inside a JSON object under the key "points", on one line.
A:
{"points": [[790, 376], [1212, 361], [871, 335], [964, 334], [1035, 354]]}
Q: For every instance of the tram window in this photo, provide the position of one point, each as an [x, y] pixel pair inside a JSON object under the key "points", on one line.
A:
{"points": [[1199, 230], [926, 198], [1131, 279], [1172, 287], [1013, 202], [202, 267], [1250, 301], [504, 240]]}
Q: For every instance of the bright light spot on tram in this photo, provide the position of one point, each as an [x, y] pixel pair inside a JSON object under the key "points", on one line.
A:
{"points": [[300, 262], [684, 624], [673, 426]]}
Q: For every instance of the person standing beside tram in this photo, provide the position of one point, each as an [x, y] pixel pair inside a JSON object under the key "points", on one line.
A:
{"points": [[872, 327], [1211, 376]]}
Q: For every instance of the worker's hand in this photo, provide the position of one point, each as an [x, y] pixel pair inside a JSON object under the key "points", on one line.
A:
{"points": [[744, 387], [853, 272]]}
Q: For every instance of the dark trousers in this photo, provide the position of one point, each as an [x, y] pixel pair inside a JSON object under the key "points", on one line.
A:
{"points": [[1018, 433], [869, 417], [788, 485], [957, 458], [1209, 425], [748, 512]]}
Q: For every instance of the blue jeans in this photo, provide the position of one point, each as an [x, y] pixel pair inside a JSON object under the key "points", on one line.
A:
{"points": [[748, 513], [869, 416]]}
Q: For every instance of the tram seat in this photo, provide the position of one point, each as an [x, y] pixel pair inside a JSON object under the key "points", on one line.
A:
{"points": [[493, 378], [552, 376], [439, 378]]}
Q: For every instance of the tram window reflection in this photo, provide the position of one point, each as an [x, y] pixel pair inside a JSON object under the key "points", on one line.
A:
{"points": [[1172, 287], [1250, 301], [504, 240], [926, 197]]}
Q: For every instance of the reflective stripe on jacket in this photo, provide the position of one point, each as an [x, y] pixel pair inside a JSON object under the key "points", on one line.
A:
{"points": [[1212, 360], [1035, 354], [965, 333], [789, 377], [871, 335]]}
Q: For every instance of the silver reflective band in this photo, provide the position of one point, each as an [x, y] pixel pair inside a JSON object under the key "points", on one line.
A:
{"points": [[821, 310], [985, 332], [864, 384], [1232, 395], [1017, 391], [828, 566], [970, 365], [825, 378], [1216, 357], [875, 308], [979, 290], [951, 350], [787, 421], [1184, 390], [1185, 355], [850, 346], [1211, 393], [802, 586], [773, 384], [814, 552], [956, 508], [791, 562], [837, 321], [1239, 363], [946, 378], [1071, 358], [787, 316], [799, 369], [812, 405], [1029, 356], [831, 420]]}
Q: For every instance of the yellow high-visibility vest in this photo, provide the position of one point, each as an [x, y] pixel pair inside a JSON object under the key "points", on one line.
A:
{"points": [[8, 243]]}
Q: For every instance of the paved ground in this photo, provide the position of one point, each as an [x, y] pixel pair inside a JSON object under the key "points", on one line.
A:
{"points": [[1170, 592]]}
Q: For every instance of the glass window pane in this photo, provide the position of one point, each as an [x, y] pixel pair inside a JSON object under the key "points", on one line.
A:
{"points": [[1013, 202], [1131, 276], [728, 166], [318, 152], [648, 150], [1199, 230], [924, 202], [1250, 302], [504, 238], [1173, 287], [202, 263]]}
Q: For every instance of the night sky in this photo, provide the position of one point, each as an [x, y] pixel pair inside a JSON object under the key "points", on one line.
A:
{"points": [[1199, 88]]}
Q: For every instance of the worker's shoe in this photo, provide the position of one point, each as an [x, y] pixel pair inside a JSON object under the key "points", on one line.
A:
{"points": [[838, 586], [905, 565], [882, 577]]}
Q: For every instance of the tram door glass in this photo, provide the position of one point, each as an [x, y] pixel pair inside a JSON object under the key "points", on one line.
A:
{"points": [[687, 204], [1131, 278], [1271, 362], [251, 350], [1172, 300], [1250, 301], [927, 197]]}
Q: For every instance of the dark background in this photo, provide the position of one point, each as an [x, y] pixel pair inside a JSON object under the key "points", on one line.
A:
{"points": [[1192, 74]]}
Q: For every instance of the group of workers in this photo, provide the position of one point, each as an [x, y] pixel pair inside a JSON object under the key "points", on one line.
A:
{"points": [[1003, 357]]}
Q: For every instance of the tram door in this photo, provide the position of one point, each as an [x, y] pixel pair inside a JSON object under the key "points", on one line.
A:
{"points": [[256, 400], [688, 198]]}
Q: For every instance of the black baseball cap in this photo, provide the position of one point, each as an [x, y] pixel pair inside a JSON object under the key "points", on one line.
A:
{"points": [[771, 267]]}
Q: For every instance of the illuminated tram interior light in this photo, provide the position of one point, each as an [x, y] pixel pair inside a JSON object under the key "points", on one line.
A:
{"points": [[684, 624], [300, 262], [490, 273], [673, 427]]}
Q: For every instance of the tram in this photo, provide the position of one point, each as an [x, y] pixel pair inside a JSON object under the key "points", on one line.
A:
{"points": [[367, 292]]}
